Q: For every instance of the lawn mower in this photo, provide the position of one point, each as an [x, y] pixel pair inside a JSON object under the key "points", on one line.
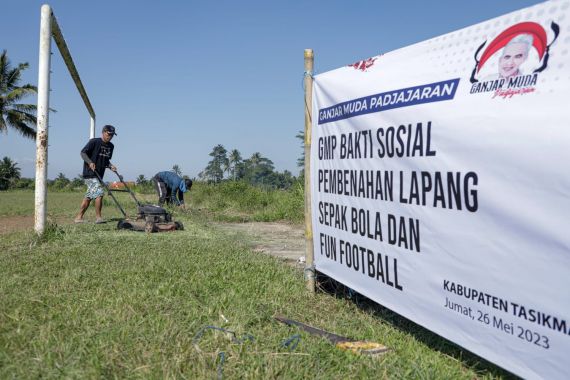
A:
{"points": [[150, 218]]}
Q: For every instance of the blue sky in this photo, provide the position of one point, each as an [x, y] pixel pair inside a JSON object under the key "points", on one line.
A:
{"points": [[177, 78]]}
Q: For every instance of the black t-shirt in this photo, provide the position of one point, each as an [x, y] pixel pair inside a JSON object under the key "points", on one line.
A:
{"points": [[100, 154]]}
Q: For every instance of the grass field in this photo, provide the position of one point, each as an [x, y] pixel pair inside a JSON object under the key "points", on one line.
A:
{"points": [[89, 301]]}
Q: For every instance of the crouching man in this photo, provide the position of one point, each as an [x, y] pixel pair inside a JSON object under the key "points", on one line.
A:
{"points": [[170, 188]]}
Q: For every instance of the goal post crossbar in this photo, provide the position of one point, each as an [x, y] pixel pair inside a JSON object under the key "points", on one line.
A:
{"points": [[66, 55]]}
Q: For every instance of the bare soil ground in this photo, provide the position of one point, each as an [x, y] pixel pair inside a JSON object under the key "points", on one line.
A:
{"points": [[15, 223], [286, 241]]}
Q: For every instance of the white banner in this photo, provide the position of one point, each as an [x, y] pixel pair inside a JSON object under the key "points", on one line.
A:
{"points": [[441, 187]]}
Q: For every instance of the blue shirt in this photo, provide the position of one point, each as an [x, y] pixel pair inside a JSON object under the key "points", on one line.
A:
{"points": [[175, 184]]}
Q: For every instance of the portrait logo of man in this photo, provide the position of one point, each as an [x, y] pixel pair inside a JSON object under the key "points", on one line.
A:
{"points": [[511, 50]]}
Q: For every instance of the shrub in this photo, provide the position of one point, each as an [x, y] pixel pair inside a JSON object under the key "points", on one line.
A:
{"points": [[232, 200]]}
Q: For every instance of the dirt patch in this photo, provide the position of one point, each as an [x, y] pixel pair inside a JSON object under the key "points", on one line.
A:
{"points": [[16, 223], [281, 240]]}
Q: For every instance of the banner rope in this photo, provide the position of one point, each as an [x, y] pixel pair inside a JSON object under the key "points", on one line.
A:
{"points": [[307, 74], [309, 272]]}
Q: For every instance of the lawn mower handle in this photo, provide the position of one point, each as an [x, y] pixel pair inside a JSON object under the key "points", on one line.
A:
{"points": [[110, 193], [127, 187]]}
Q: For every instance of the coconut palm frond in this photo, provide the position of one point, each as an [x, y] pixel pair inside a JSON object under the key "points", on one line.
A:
{"points": [[19, 121], [29, 108], [14, 115]]}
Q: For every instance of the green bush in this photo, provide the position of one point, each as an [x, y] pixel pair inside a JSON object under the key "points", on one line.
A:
{"points": [[240, 201], [24, 183], [143, 188]]}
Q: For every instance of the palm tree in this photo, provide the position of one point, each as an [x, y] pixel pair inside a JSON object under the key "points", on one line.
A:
{"points": [[9, 172], [233, 160], [255, 159], [176, 169], [141, 180], [13, 114], [215, 169], [258, 169]]}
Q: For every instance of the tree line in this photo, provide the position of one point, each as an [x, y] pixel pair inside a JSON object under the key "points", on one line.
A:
{"points": [[256, 170], [11, 178]]}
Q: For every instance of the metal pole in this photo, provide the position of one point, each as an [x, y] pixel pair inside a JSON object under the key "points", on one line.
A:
{"points": [[309, 252], [43, 120], [92, 128]]}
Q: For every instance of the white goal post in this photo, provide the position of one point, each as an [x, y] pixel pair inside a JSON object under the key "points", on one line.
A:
{"points": [[49, 28]]}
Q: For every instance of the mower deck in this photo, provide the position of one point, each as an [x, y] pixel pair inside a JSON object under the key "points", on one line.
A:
{"points": [[148, 226]]}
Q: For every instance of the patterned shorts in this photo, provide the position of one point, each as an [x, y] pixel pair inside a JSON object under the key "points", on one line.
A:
{"points": [[94, 188]]}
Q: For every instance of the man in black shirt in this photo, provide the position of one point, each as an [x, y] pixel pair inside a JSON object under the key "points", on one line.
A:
{"points": [[96, 157]]}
